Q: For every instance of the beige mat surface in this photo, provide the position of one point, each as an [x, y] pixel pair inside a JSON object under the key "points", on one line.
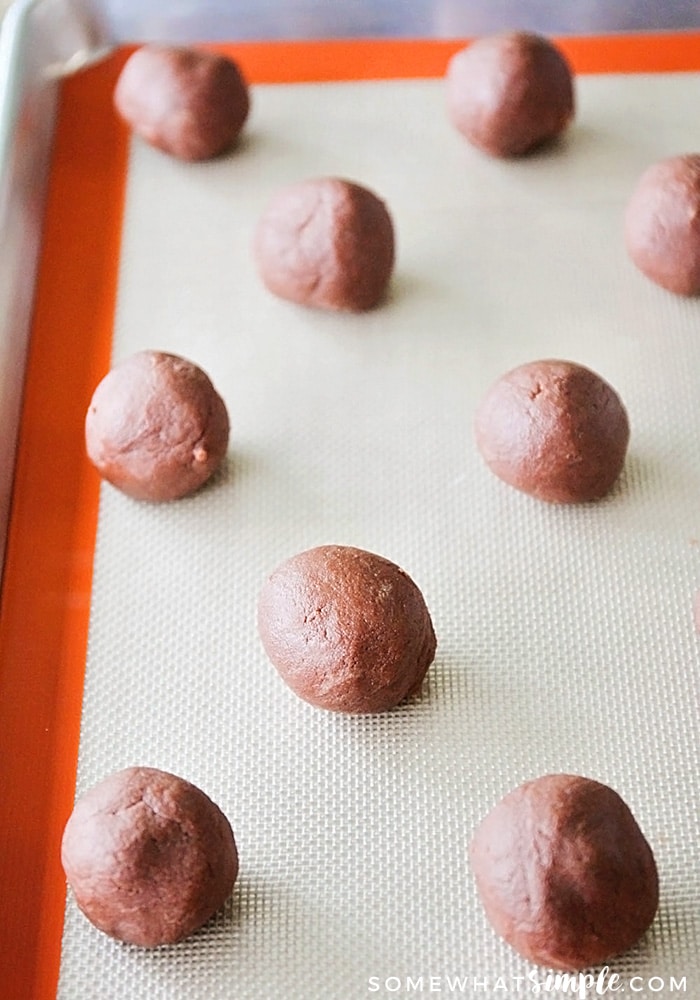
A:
{"points": [[565, 634]]}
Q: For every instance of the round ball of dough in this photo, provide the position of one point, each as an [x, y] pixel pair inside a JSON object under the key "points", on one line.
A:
{"points": [[328, 243], [189, 103], [555, 430], [156, 428], [509, 93], [564, 873], [149, 857], [346, 629], [662, 224]]}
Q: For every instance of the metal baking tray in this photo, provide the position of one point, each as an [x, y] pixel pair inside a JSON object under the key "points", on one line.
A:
{"points": [[42, 40], [44, 43]]}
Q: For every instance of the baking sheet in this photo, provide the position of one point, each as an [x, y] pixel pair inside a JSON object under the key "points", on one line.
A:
{"points": [[565, 634]]}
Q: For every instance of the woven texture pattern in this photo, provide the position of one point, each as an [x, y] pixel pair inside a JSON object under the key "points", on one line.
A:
{"points": [[565, 635]]}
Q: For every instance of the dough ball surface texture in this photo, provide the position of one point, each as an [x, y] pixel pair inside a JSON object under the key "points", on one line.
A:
{"points": [[328, 243], [555, 430], [186, 102], [662, 224], [565, 874], [156, 428], [509, 93], [346, 629], [149, 857]]}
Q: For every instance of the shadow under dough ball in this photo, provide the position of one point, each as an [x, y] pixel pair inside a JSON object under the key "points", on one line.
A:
{"points": [[564, 872], [509, 93], [328, 243], [347, 630], [662, 224], [187, 102], [156, 428], [555, 430], [149, 857]]}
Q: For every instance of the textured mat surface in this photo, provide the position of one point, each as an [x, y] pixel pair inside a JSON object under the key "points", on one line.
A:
{"points": [[565, 634]]}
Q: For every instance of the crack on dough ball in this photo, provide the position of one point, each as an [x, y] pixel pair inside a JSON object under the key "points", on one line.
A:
{"points": [[564, 872], [156, 428], [509, 93], [662, 224], [189, 103], [554, 430], [149, 857], [328, 243], [346, 629]]}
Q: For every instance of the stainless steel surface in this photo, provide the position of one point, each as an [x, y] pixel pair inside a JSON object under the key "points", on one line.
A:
{"points": [[184, 19], [326, 18], [40, 39], [26, 125], [251, 19]]}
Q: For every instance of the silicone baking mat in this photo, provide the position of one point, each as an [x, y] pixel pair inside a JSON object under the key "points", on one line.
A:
{"points": [[565, 637]]}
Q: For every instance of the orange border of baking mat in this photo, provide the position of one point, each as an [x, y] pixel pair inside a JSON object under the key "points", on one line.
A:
{"points": [[48, 574]]}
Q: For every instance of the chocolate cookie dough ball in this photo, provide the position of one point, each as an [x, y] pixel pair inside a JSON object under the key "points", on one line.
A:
{"points": [[555, 430], [328, 243], [156, 428], [189, 103], [509, 93], [346, 629], [564, 873], [662, 224], [149, 857]]}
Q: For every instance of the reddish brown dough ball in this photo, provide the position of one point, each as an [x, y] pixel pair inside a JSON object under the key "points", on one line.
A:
{"points": [[149, 857], [328, 243], [156, 428], [509, 93], [346, 629], [662, 224], [554, 430], [564, 873], [189, 103]]}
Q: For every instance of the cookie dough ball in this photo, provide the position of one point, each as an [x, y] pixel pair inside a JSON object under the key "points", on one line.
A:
{"points": [[346, 629], [509, 93], [555, 430], [156, 428], [662, 224], [149, 857], [189, 103], [564, 873], [328, 243]]}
